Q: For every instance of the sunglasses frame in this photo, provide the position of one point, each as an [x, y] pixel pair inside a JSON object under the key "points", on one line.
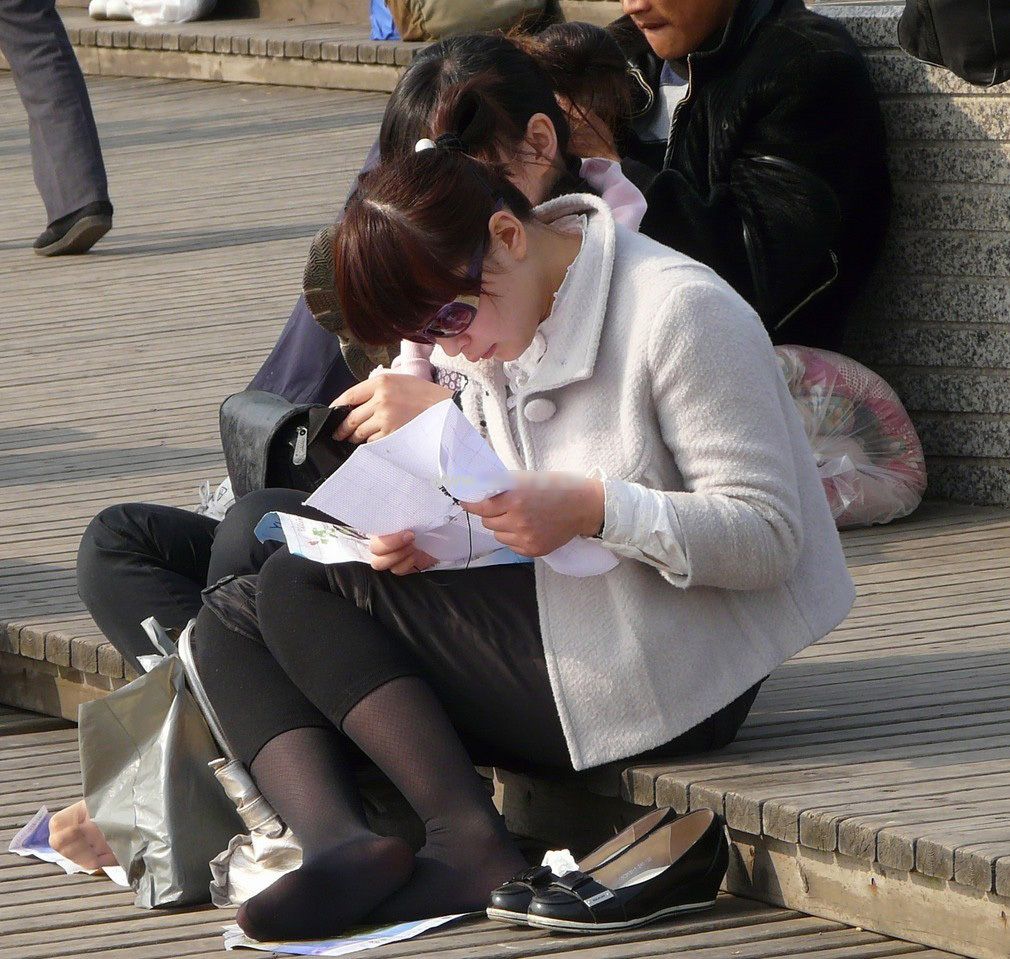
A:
{"points": [[431, 332]]}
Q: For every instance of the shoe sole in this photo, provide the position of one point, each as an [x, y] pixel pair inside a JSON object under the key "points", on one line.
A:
{"points": [[569, 925], [506, 915], [80, 238]]}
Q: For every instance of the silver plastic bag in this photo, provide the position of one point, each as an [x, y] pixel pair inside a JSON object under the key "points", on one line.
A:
{"points": [[145, 754], [259, 857]]}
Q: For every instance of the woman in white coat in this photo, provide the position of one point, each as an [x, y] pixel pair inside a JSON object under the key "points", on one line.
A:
{"points": [[644, 398]]}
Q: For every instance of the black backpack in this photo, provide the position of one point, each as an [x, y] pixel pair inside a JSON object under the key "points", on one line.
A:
{"points": [[971, 38]]}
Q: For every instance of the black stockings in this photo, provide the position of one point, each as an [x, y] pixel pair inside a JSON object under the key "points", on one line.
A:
{"points": [[346, 869], [467, 851]]}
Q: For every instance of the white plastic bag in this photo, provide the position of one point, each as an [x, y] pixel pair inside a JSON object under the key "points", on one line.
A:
{"points": [[151, 13], [868, 453]]}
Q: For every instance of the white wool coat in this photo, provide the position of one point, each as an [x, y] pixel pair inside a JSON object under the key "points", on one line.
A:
{"points": [[661, 379]]}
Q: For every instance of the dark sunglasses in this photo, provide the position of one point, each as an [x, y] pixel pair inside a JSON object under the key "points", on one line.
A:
{"points": [[455, 317]]}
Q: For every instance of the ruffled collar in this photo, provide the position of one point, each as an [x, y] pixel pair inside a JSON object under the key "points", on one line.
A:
{"points": [[519, 371], [573, 327]]}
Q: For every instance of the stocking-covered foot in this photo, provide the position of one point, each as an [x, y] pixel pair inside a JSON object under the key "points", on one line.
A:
{"points": [[454, 872], [333, 890]]}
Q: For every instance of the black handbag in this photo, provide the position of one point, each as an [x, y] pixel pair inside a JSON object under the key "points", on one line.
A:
{"points": [[271, 443], [971, 38]]}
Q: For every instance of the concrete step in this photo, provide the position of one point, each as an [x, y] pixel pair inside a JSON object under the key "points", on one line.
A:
{"points": [[324, 55], [282, 11], [315, 43], [312, 43]]}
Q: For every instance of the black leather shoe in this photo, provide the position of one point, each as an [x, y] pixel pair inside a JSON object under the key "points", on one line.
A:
{"points": [[509, 902], [76, 232], [678, 868]]}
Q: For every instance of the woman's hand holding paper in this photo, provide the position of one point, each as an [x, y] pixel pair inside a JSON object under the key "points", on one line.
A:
{"points": [[396, 552], [545, 511]]}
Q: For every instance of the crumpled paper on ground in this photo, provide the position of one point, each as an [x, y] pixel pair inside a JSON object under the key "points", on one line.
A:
{"points": [[33, 841], [560, 861]]}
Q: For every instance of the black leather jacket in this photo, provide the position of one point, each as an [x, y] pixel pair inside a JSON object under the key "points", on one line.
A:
{"points": [[774, 173]]}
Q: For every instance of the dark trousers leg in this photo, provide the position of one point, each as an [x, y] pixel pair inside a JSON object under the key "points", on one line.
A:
{"points": [[66, 155], [340, 632], [139, 559], [305, 365]]}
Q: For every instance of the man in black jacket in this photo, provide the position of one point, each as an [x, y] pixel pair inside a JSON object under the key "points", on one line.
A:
{"points": [[766, 133]]}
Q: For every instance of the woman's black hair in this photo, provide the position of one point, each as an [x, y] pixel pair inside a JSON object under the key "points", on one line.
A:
{"points": [[483, 88]]}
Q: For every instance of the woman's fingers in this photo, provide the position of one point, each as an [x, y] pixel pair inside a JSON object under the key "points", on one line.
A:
{"points": [[492, 506], [517, 543], [390, 543], [358, 425], [356, 395], [397, 554], [384, 403], [417, 562]]}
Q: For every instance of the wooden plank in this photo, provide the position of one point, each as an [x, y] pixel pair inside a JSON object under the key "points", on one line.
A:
{"points": [[851, 757]]}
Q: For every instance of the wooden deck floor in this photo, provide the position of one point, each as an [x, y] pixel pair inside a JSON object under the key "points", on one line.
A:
{"points": [[883, 746], [47, 915], [114, 364]]}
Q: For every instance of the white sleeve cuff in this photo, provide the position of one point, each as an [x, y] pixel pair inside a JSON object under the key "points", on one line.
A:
{"points": [[642, 523]]}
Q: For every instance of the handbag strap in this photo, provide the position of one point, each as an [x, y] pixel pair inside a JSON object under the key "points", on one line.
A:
{"points": [[195, 684]]}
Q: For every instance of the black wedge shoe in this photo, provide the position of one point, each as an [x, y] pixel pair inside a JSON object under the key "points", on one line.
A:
{"points": [[510, 901], [678, 868]]}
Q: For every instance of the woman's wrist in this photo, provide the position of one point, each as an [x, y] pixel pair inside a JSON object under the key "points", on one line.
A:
{"points": [[594, 500]]}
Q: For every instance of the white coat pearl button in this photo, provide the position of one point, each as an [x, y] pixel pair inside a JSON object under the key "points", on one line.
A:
{"points": [[539, 410]]}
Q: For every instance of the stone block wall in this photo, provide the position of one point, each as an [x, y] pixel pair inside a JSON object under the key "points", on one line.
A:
{"points": [[936, 321]]}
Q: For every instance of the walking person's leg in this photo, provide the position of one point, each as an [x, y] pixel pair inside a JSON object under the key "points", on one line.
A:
{"points": [[66, 154]]}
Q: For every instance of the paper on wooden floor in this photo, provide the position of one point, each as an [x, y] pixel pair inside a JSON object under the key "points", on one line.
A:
{"points": [[358, 941], [33, 841]]}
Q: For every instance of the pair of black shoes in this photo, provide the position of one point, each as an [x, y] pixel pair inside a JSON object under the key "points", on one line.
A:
{"points": [[657, 867], [76, 232]]}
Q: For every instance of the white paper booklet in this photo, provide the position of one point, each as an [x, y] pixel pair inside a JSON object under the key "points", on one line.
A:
{"points": [[334, 543], [414, 479], [234, 938]]}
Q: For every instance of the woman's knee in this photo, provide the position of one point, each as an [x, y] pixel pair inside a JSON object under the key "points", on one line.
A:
{"points": [[282, 577], [115, 532], [291, 597], [236, 548]]}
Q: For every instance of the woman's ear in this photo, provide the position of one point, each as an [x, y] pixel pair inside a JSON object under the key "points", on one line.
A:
{"points": [[541, 141], [508, 237]]}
